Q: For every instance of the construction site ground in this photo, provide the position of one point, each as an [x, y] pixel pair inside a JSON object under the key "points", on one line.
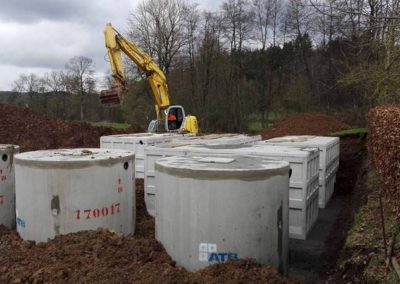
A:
{"points": [[107, 257]]}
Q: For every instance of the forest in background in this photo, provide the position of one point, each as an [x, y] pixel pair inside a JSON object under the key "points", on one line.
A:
{"points": [[249, 62]]}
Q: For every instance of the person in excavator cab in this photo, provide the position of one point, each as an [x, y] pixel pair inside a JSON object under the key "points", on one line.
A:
{"points": [[172, 121]]}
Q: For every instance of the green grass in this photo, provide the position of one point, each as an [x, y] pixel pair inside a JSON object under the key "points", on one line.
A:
{"points": [[115, 125], [254, 121], [254, 127], [350, 132]]}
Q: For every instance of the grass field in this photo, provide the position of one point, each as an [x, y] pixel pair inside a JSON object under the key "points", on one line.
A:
{"points": [[351, 132], [254, 125], [115, 125]]}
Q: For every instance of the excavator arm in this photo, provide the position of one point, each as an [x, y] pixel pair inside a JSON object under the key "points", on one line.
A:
{"points": [[169, 118], [115, 44]]}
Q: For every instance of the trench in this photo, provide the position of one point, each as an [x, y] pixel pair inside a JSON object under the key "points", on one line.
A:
{"points": [[314, 260]]}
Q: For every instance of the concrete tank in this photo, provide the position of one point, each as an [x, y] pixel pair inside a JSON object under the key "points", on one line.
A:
{"points": [[219, 139], [7, 185], [212, 209], [329, 148], [70, 190], [136, 142], [303, 195]]}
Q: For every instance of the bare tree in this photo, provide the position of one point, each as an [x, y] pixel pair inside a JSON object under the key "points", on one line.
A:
{"points": [[262, 10], [159, 26], [80, 70], [191, 33], [299, 18], [238, 22], [28, 84], [275, 14]]}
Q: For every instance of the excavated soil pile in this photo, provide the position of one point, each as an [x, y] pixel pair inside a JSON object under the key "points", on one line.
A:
{"points": [[384, 149], [35, 131], [305, 124], [106, 257]]}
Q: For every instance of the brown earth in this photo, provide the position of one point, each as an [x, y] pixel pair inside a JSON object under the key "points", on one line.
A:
{"points": [[304, 124], [107, 257], [97, 256], [35, 131]]}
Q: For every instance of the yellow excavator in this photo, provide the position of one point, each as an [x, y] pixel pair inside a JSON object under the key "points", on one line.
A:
{"points": [[170, 118]]}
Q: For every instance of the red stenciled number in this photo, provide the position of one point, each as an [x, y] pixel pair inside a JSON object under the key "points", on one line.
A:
{"points": [[78, 214], [117, 207], [104, 211], [97, 212], [87, 212], [1, 199]]}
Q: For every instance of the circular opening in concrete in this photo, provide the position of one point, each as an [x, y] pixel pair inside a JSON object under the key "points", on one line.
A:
{"points": [[4, 157], [126, 165]]}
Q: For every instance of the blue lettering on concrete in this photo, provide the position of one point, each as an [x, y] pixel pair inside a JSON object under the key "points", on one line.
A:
{"points": [[222, 257], [233, 256], [21, 222], [213, 257]]}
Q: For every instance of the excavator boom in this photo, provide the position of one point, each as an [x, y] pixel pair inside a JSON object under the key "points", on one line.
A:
{"points": [[116, 44]]}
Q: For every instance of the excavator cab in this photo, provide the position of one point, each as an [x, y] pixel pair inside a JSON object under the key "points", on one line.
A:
{"points": [[175, 121], [175, 116], [113, 96]]}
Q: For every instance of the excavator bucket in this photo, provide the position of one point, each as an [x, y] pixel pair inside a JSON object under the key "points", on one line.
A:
{"points": [[112, 97]]}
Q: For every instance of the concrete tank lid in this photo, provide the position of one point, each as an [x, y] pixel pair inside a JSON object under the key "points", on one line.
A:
{"points": [[301, 139], [127, 135], [8, 146], [244, 167], [143, 135], [73, 158], [257, 148]]}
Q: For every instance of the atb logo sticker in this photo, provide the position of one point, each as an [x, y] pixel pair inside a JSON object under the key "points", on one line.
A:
{"points": [[209, 253]]}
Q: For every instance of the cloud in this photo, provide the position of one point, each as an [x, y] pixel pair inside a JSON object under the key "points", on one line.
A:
{"points": [[47, 44], [9, 73], [28, 11], [39, 35]]}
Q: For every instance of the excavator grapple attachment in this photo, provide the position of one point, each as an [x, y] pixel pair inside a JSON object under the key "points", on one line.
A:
{"points": [[112, 97]]}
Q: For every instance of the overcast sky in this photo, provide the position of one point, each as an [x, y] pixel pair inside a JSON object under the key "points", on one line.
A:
{"points": [[40, 35]]}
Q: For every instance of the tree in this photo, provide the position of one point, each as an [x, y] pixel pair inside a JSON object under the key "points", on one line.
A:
{"points": [[262, 10], [159, 26], [80, 70], [238, 22], [29, 84]]}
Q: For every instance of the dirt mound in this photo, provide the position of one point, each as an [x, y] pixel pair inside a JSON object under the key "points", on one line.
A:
{"points": [[106, 257], [242, 271], [304, 124], [384, 149], [34, 131]]}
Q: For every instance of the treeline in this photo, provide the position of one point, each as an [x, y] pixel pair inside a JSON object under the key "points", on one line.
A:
{"points": [[68, 94], [254, 58]]}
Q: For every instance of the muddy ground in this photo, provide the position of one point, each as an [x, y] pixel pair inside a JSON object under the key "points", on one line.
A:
{"points": [[35, 131], [305, 124], [102, 256]]}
